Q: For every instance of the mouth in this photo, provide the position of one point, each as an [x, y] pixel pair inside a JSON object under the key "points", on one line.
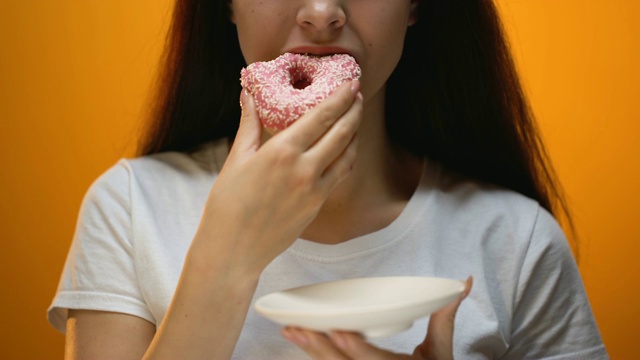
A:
{"points": [[319, 51]]}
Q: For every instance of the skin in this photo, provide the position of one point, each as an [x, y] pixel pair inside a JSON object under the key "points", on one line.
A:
{"points": [[319, 186]]}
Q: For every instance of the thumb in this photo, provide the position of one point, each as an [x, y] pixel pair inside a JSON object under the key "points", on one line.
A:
{"points": [[249, 133], [438, 344]]}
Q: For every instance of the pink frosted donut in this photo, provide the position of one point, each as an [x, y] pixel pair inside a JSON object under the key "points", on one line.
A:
{"points": [[286, 87]]}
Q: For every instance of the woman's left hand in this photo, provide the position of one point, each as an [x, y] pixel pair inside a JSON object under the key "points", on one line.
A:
{"points": [[437, 345]]}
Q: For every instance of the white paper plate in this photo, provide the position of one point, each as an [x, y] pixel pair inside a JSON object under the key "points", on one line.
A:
{"points": [[374, 307]]}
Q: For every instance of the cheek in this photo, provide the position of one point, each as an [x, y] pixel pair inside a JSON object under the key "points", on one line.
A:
{"points": [[256, 40], [382, 58], [244, 38], [260, 39], [388, 50], [248, 16]]}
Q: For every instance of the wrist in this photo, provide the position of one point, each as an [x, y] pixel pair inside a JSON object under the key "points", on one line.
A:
{"points": [[213, 261]]}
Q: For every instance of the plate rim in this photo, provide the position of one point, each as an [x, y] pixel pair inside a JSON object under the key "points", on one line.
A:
{"points": [[260, 308]]}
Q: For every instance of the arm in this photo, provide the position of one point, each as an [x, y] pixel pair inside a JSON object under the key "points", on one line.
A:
{"points": [[109, 335], [253, 214], [106, 335]]}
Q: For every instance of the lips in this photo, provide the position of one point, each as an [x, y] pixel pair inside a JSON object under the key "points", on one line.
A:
{"points": [[319, 50]]}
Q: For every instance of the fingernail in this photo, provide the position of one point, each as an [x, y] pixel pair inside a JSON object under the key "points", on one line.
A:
{"points": [[243, 97], [287, 334], [295, 335], [467, 287], [355, 86], [338, 340], [301, 338]]}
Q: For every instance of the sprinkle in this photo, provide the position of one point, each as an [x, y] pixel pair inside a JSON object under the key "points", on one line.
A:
{"points": [[278, 101]]}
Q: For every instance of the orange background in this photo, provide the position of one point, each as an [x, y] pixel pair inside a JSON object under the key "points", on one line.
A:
{"points": [[74, 79]]}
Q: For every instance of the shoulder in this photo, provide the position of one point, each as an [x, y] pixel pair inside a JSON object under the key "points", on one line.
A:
{"points": [[160, 168], [477, 202], [208, 159], [495, 221]]}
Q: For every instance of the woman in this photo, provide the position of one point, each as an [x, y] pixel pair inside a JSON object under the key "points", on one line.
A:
{"points": [[429, 165]]}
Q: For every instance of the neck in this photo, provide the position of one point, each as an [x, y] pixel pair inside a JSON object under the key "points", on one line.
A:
{"points": [[377, 190]]}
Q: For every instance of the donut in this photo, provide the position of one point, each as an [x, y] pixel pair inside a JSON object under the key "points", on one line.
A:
{"points": [[288, 86]]}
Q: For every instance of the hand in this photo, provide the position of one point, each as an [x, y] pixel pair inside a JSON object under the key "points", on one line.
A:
{"points": [[267, 194], [437, 345]]}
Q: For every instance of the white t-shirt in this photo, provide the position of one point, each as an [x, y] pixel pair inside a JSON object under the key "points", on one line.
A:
{"points": [[528, 300]]}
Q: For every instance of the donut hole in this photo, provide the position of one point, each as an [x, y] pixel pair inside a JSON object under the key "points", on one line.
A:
{"points": [[301, 83], [299, 78]]}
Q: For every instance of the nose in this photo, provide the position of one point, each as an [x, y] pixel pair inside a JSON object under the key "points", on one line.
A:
{"points": [[322, 14]]}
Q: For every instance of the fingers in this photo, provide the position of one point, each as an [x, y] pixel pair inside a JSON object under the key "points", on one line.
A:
{"points": [[354, 346], [341, 166], [325, 137], [316, 122], [337, 345], [339, 142], [439, 341], [250, 129], [316, 345], [325, 134], [335, 151]]}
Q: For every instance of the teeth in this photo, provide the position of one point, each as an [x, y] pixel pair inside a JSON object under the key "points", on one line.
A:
{"points": [[320, 55]]}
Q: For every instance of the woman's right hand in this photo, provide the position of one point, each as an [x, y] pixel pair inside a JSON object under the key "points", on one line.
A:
{"points": [[267, 194], [264, 197]]}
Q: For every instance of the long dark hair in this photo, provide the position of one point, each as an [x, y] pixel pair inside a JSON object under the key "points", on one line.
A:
{"points": [[455, 96], [198, 90]]}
